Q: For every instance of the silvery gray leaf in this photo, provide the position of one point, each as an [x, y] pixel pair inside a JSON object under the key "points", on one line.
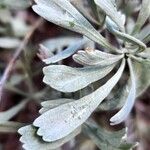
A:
{"points": [[126, 109], [6, 115], [142, 72], [9, 43], [65, 53], [143, 16], [144, 34], [47, 105], [110, 9], [145, 60], [117, 100], [96, 58], [106, 140], [68, 79], [91, 53], [89, 44], [125, 37], [87, 8], [61, 121], [32, 141], [63, 13], [10, 126], [145, 54], [58, 43]]}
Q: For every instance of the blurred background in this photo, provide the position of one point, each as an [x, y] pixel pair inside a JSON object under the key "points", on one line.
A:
{"points": [[21, 32]]}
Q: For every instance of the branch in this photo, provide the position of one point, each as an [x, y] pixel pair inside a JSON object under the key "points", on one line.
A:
{"points": [[16, 54]]}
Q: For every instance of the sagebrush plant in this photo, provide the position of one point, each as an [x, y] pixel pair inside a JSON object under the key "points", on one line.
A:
{"points": [[62, 119]]}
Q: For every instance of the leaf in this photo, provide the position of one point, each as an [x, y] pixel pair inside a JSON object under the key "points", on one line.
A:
{"points": [[143, 16], [32, 141], [68, 79], [106, 140], [96, 58], [145, 54], [19, 26], [47, 105], [6, 115], [142, 72], [63, 13], [9, 43], [144, 60], [87, 8], [58, 43], [66, 53], [144, 34], [61, 121], [126, 109], [5, 15], [10, 126], [125, 37], [15, 4], [118, 98], [110, 9]]}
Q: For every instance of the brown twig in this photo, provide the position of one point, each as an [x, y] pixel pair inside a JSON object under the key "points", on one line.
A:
{"points": [[16, 54]]}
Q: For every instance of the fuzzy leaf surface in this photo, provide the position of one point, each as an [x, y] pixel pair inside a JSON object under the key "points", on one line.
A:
{"points": [[106, 140], [61, 121], [68, 79], [143, 15], [96, 58], [126, 109], [109, 7], [63, 13], [32, 141]]}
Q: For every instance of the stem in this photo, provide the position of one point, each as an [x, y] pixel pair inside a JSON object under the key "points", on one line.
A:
{"points": [[16, 55]]}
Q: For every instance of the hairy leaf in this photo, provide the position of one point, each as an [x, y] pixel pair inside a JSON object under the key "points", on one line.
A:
{"points": [[9, 43], [32, 141], [47, 105], [68, 79], [144, 34], [63, 13], [125, 37], [145, 54], [61, 121], [95, 57], [87, 8], [143, 16], [106, 140], [66, 53], [126, 109], [118, 98], [58, 43], [142, 72], [109, 7]]}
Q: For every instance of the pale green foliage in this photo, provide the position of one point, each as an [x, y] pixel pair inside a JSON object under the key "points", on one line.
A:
{"points": [[32, 141], [62, 119], [15, 4], [109, 7], [7, 42], [74, 113], [7, 115], [67, 79], [105, 139]]}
